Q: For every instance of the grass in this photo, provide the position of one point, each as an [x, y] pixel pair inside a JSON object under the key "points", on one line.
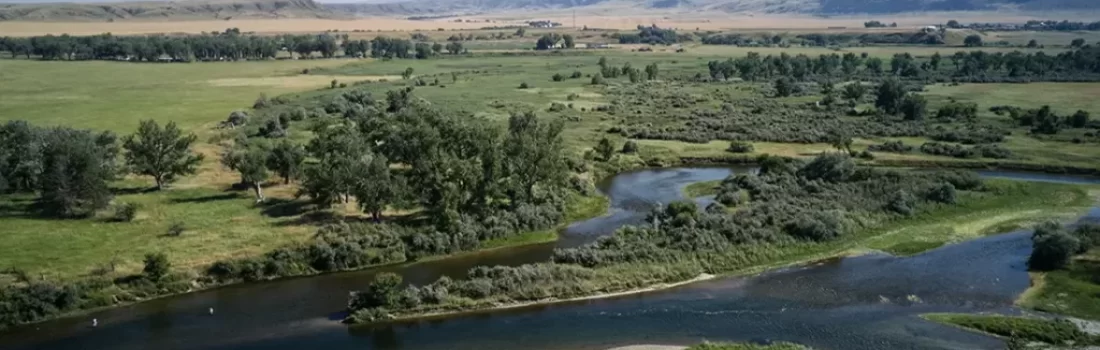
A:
{"points": [[1074, 291], [1024, 328], [218, 224], [1013, 202], [704, 188]]}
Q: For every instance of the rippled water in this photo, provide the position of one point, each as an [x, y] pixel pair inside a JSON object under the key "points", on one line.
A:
{"points": [[868, 302]]}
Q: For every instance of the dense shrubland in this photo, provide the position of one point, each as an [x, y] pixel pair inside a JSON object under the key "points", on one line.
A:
{"points": [[789, 204]]}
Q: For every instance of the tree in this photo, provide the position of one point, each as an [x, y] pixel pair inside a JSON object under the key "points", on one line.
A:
{"points": [[568, 41], [437, 48], [382, 292], [251, 162], [163, 153], [854, 92], [842, 141], [454, 47], [630, 147], [340, 153], [874, 64], [598, 80], [75, 168], [889, 96], [532, 151], [914, 107], [1079, 119], [651, 71], [972, 40], [953, 24], [286, 160], [1032, 43], [407, 73], [521, 32], [156, 266], [784, 87], [934, 62], [376, 187], [545, 42], [605, 149], [423, 50], [1079, 42], [1052, 251]]}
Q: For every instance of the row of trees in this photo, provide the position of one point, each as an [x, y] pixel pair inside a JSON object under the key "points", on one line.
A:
{"points": [[71, 169], [1081, 63], [214, 47]]}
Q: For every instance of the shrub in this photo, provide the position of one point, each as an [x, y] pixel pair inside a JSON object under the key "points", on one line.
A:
{"points": [[598, 80], [740, 147], [126, 212], [557, 107], [524, 85], [557, 77], [576, 74], [892, 147], [630, 147], [156, 266], [176, 229], [1053, 250]]}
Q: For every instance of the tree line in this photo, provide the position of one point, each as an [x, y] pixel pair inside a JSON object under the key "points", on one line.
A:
{"points": [[225, 46]]}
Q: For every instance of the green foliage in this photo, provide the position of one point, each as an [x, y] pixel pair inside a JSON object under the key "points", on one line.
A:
{"points": [[125, 212], [75, 168], [156, 266], [740, 147], [383, 291], [598, 80], [784, 87], [972, 40], [250, 160], [163, 153], [1053, 332], [630, 147], [913, 107], [890, 95], [286, 160], [557, 77], [605, 149], [1053, 248], [524, 85]]}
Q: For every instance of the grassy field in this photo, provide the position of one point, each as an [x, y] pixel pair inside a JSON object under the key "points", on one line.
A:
{"points": [[1074, 291], [1019, 328], [115, 96]]}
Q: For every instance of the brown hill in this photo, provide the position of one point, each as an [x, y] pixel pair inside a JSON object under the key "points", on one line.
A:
{"points": [[174, 10]]}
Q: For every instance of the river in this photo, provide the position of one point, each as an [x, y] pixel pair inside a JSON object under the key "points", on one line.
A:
{"points": [[867, 302]]}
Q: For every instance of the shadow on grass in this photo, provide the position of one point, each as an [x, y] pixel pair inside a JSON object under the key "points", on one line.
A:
{"points": [[281, 208], [207, 199], [122, 191]]}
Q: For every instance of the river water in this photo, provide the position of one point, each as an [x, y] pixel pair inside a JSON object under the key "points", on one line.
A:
{"points": [[867, 302]]}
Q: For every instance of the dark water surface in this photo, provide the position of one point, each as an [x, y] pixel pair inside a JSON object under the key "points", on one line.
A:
{"points": [[868, 302]]}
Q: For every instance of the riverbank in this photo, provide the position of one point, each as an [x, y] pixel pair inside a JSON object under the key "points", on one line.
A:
{"points": [[185, 282], [1003, 200], [651, 288], [1020, 330]]}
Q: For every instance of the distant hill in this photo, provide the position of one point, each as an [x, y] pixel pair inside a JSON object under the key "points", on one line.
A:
{"points": [[422, 7], [190, 9]]}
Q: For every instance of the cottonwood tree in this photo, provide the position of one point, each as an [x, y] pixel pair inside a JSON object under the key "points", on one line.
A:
{"points": [[76, 166], [163, 153], [854, 92], [914, 107], [605, 149], [156, 266], [286, 160], [532, 151], [784, 87], [651, 71], [20, 156], [250, 160], [889, 96], [377, 187], [340, 151]]}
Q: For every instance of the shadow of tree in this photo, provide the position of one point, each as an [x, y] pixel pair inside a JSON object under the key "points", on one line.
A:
{"points": [[205, 199], [280, 207]]}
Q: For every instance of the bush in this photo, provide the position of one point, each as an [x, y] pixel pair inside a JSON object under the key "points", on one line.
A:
{"points": [[598, 80], [557, 107], [630, 147], [557, 77], [892, 147], [1053, 250], [740, 147], [156, 266], [126, 212], [524, 85], [576, 74], [176, 229]]}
